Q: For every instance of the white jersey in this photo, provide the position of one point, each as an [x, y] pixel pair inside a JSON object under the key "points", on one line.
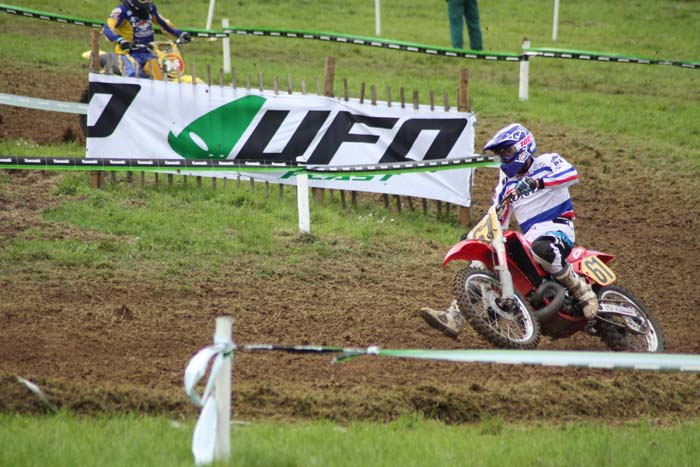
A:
{"points": [[546, 209]]}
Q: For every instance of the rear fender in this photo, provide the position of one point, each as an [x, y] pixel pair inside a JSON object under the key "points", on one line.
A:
{"points": [[593, 265]]}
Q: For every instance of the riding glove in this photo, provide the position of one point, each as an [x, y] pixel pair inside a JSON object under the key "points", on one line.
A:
{"points": [[185, 37], [526, 186], [123, 44]]}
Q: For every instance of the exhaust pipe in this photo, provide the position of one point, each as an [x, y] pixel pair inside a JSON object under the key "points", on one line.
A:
{"points": [[547, 311]]}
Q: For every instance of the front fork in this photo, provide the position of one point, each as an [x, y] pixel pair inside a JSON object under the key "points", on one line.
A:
{"points": [[501, 267]]}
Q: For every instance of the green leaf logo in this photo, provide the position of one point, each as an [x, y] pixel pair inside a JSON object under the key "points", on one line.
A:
{"points": [[214, 134]]}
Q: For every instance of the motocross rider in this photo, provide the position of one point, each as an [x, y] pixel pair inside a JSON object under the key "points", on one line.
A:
{"points": [[544, 211], [131, 24]]}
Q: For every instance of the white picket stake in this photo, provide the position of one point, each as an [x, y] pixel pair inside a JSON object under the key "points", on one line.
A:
{"points": [[377, 19], [227, 47], [524, 73], [210, 14], [555, 21], [211, 438], [222, 393], [303, 201]]}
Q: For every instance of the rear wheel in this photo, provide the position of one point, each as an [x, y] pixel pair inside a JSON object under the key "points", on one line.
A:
{"points": [[478, 295], [635, 331]]}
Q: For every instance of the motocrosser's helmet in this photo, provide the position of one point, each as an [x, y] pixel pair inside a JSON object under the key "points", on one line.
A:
{"points": [[515, 145], [140, 7]]}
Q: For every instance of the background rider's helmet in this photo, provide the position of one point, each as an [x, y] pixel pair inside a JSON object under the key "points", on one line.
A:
{"points": [[515, 145], [141, 7]]}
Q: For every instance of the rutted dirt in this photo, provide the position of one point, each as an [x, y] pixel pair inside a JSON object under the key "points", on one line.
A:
{"points": [[97, 343]]}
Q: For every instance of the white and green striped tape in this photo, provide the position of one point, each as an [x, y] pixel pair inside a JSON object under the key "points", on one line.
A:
{"points": [[159, 165], [377, 42], [687, 363], [43, 104]]}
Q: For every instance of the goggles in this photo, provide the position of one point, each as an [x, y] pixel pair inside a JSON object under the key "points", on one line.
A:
{"points": [[508, 153]]}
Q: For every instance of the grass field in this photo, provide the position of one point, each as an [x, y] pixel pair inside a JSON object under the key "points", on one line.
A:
{"points": [[130, 440], [652, 111]]}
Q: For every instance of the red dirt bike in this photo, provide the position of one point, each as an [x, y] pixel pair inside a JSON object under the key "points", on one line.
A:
{"points": [[511, 301]]}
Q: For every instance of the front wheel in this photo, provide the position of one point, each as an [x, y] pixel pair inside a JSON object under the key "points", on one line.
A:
{"points": [[478, 295], [629, 326]]}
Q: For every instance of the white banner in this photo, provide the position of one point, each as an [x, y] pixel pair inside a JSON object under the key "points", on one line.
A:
{"points": [[140, 118]]}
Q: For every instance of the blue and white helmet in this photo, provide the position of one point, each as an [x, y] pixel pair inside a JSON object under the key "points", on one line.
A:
{"points": [[515, 145], [140, 7]]}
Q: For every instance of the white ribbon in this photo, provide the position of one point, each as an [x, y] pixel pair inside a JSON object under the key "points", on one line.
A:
{"points": [[204, 438]]}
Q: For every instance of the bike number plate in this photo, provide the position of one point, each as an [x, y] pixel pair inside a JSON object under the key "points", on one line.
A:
{"points": [[483, 230], [597, 270]]}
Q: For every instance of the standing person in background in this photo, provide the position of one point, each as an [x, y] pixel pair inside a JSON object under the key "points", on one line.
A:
{"points": [[469, 10], [131, 24]]}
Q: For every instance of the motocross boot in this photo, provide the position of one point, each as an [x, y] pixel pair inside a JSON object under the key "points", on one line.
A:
{"points": [[580, 290], [449, 321]]}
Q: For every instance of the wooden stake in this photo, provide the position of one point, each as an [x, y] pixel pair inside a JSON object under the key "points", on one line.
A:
{"points": [[464, 105], [464, 101], [329, 77], [96, 178]]}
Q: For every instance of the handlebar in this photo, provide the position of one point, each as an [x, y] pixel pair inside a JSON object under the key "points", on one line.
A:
{"points": [[135, 47], [180, 41], [149, 46], [505, 201]]}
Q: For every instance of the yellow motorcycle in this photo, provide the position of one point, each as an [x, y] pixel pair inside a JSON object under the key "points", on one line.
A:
{"points": [[167, 64], [168, 61]]}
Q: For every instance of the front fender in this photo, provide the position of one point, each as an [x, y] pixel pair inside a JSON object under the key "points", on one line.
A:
{"points": [[471, 250], [477, 250]]}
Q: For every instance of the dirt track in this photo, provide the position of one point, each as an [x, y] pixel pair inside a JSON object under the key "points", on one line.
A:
{"points": [[95, 343]]}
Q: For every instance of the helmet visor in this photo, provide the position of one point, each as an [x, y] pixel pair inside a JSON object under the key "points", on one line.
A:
{"points": [[507, 154]]}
